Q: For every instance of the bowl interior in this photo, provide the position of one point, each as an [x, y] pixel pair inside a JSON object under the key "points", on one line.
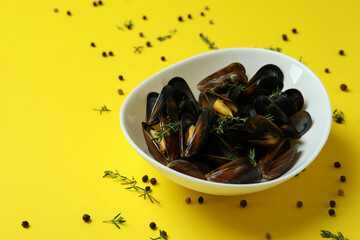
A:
{"points": [[296, 75]]}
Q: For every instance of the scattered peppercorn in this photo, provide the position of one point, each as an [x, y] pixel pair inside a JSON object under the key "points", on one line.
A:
{"points": [[188, 200], [340, 192], [121, 77], [327, 70], [147, 188], [332, 203], [120, 91], [104, 54], [141, 34], [92, 44], [152, 225], [207, 8], [243, 203], [145, 178], [337, 164], [68, 13], [56, 10], [100, 3], [163, 58], [189, 16], [202, 14], [284, 37], [144, 17], [211, 22], [343, 178], [86, 218], [294, 30], [267, 235], [25, 224], [164, 233], [111, 53], [201, 35], [148, 44], [299, 204], [95, 4], [341, 52], [331, 212], [200, 200], [343, 87], [153, 181], [180, 19]]}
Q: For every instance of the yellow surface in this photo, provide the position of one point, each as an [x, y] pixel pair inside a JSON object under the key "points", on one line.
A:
{"points": [[54, 147]]}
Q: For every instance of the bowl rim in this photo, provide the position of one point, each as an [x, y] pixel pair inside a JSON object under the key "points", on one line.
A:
{"points": [[228, 185]]}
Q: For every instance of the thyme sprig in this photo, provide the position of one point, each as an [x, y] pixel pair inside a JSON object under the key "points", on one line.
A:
{"points": [[251, 156], [275, 93], [138, 49], [223, 122], [117, 219], [270, 117], [166, 130], [228, 86], [163, 236], [102, 109], [132, 182], [327, 234], [211, 44], [338, 116], [129, 25], [274, 49], [163, 38]]}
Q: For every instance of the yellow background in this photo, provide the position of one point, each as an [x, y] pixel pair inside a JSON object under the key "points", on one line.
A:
{"points": [[54, 147]]}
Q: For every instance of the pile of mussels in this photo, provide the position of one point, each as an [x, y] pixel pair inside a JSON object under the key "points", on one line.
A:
{"points": [[239, 131]]}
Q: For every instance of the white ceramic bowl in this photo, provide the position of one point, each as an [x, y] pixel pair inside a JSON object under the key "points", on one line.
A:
{"points": [[193, 69]]}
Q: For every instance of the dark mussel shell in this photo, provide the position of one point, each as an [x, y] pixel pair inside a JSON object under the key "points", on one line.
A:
{"points": [[187, 103], [301, 122], [280, 164], [285, 104], [150, 102], [187, 167], [153, 147], [295, 96], [171, 140], [264, 106], [265, 85], [258, 125], [219, 151], [199, 137], [236, 172], [220, 105], [269, 70], [187, 121]]}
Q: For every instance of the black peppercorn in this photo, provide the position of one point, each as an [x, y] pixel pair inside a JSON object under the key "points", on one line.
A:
{"points": [[104, 54], [201, 35], [56, 10], [163, 58], [68, 13], [332, 203], [189, 16], [327, 70], [188, 200], [153, 181], [331, 212], [211, 22], [243, 203], [147, 188], [92, 44], [148, 44], [120, 91], [202, 14], [86, 218], [267, 235], [207, 8], [145, 178], [343, 178], [164, 233], [100, 3], [294, 30], [180, 19], [284, 37], [111, 53], [121, 77], [152, 225], [144, 17], [95, 4], [337, 164], [25, 224], [200, 200], [341, 52], [340, 192], [141, 34], [343, 87], [299, 204]]}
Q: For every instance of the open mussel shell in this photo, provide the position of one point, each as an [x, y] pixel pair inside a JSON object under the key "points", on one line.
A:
{"points": [[301, 122], [234, 73], [269, 70], [265, 106], [187, 167], [236, 172], [219, 151], [280, 164], [154, 147], [295, 96], [265, 85], [220, 105], [199, 134], [150, 102], [258, 125], [171, 140]]}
